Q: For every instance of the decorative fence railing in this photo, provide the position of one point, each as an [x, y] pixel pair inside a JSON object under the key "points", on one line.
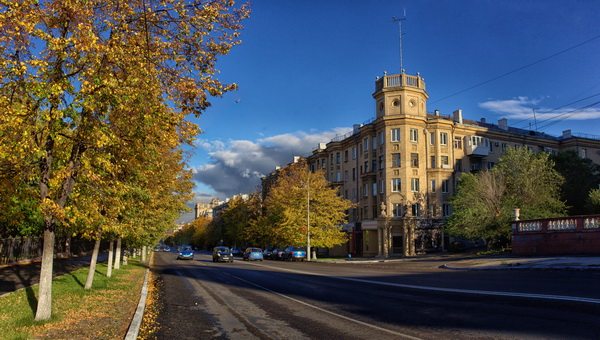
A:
{"points": [[563, 235], [14, 249]]}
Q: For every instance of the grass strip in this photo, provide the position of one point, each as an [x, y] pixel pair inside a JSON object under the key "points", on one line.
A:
{"points": [[104, 312]]}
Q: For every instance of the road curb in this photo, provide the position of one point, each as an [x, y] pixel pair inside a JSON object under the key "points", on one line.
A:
{"points": [[445, 266], [134, 326]]}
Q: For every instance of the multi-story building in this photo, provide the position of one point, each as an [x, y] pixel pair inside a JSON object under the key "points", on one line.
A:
{"points": [[206, 209], [406, 162]]}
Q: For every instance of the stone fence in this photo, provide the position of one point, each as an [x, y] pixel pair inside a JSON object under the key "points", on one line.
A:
{"points": [[571, 235]]}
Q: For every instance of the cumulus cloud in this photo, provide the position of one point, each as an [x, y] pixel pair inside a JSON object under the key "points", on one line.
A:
{"points": [[522, 108], [236, 166]]}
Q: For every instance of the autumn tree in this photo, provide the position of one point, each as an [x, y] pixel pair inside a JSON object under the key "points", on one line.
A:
{"points": [[298, 196], [68, 69], [581, 175], [236, 218], [594, 200], [484, 203]]}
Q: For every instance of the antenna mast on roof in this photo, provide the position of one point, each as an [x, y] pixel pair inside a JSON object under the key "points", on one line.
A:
{"points": [[399, 21]]}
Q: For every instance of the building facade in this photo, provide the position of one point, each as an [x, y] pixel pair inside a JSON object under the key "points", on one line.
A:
{"points": [[403, 166]]}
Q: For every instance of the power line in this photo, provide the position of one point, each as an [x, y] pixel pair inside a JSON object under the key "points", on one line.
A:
{"points": [[557, 108], [516, 70], [567, 115]]}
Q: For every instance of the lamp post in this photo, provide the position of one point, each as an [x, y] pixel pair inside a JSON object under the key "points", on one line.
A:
{"points": [[308, 216]]}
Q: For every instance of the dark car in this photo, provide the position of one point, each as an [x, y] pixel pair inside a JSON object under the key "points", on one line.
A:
{"points": [[253, 254], [292, 253], [237, 251], [186, 253], [267, 253], [277, 254], [222, 254]]}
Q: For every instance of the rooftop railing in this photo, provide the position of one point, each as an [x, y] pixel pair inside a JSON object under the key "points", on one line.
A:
{"points": [[399, 80]]}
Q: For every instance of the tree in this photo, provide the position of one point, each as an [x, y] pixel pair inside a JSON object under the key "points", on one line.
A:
{"points": [[581, 175], [484, 202], [594, 200], [68, 69], [238, 216], [287, 207]]}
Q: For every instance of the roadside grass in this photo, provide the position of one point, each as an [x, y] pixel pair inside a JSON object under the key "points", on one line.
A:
{"points": [[104, 312]]}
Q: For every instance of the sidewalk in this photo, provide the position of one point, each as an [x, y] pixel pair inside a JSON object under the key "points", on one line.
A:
{"points": [[509, 263]]}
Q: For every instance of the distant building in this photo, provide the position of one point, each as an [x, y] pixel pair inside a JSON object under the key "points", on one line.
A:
{"points": [[206, 209], [407, 162]]}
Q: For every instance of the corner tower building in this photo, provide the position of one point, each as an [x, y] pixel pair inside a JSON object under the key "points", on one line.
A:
{"points": [[403, 165]]}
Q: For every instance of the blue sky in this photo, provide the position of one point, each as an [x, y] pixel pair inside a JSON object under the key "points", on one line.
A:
{"points": [[306, 71]]}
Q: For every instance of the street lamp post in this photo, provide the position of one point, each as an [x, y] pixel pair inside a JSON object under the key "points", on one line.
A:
{"points": [[308, 216]]}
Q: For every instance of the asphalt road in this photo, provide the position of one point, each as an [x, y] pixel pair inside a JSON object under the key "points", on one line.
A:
{"points": [[408, 299]]}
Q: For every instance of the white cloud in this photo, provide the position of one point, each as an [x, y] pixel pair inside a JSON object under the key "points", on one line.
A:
{"points": [[236, 166], [522, 108]]}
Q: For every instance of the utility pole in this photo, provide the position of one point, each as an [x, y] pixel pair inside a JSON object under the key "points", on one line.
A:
{"points": [[399, 21], [308, 216]]}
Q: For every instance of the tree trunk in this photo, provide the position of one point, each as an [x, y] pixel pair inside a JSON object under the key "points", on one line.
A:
{"points": [[118, 254], [143, 254], [90, 277], [44, 306], [110, 259]]}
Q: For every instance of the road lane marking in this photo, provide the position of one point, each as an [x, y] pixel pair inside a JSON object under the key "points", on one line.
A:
{"points": [[447, 290], [389, 331]]}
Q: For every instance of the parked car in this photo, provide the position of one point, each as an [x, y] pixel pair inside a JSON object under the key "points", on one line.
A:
{"points": [[267, 253], [222, 254], [237, 251], [253, 254], [292, 253], [186, 253], [277, 254]]}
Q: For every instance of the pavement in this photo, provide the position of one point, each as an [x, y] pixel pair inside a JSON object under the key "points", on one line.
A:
{"points": [[472, 262]]}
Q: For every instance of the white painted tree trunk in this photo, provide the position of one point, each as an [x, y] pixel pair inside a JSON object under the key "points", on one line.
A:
{"points": [[118, 254], [90, 277], [44, 306], [144, 254], [110, 259]]}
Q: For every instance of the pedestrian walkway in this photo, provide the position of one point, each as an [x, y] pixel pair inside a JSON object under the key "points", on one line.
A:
{"points": [[547, 262]]}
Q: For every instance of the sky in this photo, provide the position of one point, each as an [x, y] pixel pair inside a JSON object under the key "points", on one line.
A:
{"points": [[306, 72]]}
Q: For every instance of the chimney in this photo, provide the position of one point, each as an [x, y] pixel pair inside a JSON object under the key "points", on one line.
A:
{"points": [[458, 116], [567, 134], [436, 113], [355, 128], [296, 159], [503, 124]]}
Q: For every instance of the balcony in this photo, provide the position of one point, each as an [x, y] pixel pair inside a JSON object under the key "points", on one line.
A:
{"points": [[477, 146], [399, 80]]}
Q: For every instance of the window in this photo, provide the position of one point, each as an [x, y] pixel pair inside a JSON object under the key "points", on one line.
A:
{"points": [[397, 210], [337, 158], [366, 166], [396, 185], [414, 184], [354, 174], [433, 185], [380, 137], [395, 135], [345, 156], [381, 163], [414, 160], [381, 186], [354, 152], [446, 210], [583, 153], [416, 210], [374, 143], [458, 142], [365, 190], [443, 138], [445, 162], [432, 138], [432, 162], [346, 175], [395, 160], [458, 165], [490, 165], [414, 135], [445, 186], [366, 144], [338, 177], [373, 165], [374, 189], [353, 193]]}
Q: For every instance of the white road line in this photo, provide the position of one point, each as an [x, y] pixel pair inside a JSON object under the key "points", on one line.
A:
{"points": [[406, 336], [448, 290]]}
